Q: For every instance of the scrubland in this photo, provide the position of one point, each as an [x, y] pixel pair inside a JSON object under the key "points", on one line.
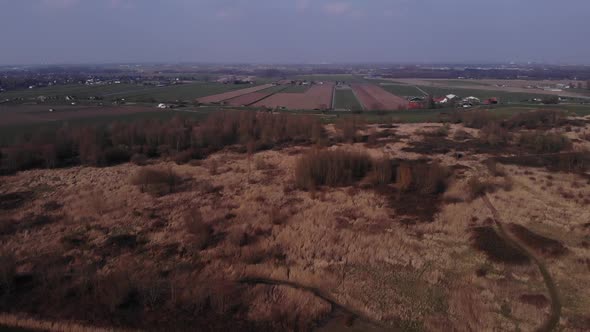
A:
{"points": [[260, 221]]}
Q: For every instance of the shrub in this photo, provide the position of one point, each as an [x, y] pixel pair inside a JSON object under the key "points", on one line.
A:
{"points": [[116, 155], [494, 134], [478, 188], [139, 159], [494, 169], [201, 233], [7, 273], [474, 119], [536, 119], [331, 168], [156, 181], [421, 177], [461, 135], [186, 156], [381, 172], [540, 142], [349, 127], [438, 132], [404, 178]]}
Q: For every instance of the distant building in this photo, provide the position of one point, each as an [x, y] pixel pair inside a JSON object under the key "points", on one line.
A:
{"points": [[491, 101], [162, 106]]}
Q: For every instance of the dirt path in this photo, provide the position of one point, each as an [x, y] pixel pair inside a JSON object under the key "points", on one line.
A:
{"points": [[551, 323], [320, 294]]}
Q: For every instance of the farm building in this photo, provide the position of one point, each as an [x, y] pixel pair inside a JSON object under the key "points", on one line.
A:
{"points": [[491, 101]]}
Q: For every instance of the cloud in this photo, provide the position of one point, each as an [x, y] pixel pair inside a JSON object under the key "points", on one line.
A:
{"points": [[337, 8]]}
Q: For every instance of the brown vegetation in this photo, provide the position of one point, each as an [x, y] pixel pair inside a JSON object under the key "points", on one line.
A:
{"points": [[331, 168], [541, 142], [183, 138], [497, 249], [544, 245], [156, 181]]}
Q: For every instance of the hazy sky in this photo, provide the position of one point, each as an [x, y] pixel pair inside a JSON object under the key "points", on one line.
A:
{"points": [[293, 31]]}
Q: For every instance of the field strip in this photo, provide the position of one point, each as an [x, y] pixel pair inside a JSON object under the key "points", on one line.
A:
{"points": [[551, 323], [232, 94], [269, 95]]}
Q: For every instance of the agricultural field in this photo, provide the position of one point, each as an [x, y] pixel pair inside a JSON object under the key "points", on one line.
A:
{"points": [[512, 90], [373, 97], [296, 88], [333, 78], [131, 93], [218, 98], [479, 223], [345, 99], [318, 97], [253, 97], [402, 89]]}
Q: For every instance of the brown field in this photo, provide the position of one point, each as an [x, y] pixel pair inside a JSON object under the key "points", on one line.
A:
{"points": [[10, 115], [317, 97], [373, 97], [360, 231], [231, 94]]}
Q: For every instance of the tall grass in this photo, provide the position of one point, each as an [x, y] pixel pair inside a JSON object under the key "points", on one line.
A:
{"points": [[331, 168]]}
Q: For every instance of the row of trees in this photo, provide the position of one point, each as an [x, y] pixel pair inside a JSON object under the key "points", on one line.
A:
{"points": [[118, 142]]}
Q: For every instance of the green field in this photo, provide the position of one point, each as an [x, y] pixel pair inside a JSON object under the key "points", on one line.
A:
{"points": [[345, 99], [80, 91], [403, 90], [336, 77], [131, 93], [459, 82]]}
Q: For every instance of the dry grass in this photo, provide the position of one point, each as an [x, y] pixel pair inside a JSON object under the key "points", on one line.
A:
{"points": [[179, 255], [541, 142], [156, 181], [331, 168]]}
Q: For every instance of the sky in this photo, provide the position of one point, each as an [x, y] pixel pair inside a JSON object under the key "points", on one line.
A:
{"points": [[294, 31]]}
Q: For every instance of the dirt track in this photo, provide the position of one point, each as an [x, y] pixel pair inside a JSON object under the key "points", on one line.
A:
{"points": [[551, 323]]}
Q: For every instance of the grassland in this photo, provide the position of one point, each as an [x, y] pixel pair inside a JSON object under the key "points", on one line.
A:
{"points": [[345, 99], [365, 219], [505, 97], [459, 82], [401, 89], [336, 77], [131, 93]]}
